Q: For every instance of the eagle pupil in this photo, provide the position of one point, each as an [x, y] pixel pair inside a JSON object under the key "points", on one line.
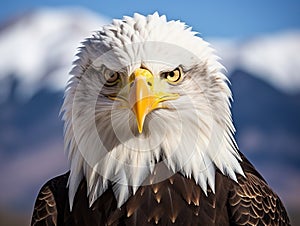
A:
{"points": [[113, 77]]}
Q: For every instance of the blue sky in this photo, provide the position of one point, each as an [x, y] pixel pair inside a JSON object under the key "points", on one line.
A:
{"points": [[230, 18]]}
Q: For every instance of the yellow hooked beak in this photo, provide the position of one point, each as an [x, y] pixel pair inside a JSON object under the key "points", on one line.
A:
{"points": [[142, 97]]}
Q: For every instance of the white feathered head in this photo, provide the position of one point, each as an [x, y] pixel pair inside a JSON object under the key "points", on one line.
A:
{"points": [[147, 99]]}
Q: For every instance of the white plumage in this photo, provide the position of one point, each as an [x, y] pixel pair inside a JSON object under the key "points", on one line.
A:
{"points": [[191, 134]]}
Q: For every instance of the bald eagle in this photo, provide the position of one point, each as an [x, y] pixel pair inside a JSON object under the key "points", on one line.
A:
{"points": [[150, 138]]}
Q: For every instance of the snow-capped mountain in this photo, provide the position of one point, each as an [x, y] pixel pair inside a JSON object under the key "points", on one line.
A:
{"points": [[39, 47], [274, 58], [37, 50]]}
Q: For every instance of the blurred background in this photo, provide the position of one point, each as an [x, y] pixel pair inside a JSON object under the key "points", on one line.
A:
{"points": [[259, 42]]}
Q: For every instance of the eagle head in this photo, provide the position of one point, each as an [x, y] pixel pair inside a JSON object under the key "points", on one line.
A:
{"points": [[147, 99]]}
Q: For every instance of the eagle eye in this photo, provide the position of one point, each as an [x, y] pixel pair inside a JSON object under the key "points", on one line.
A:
{"points": [[111, 78], [173, 77]]}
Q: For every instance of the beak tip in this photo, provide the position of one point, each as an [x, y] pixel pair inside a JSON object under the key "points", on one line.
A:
{"points": [[140, 129], [140, 125]]}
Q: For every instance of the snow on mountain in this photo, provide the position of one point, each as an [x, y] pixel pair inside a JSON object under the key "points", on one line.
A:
{"points": [[275, 58], [38, 48]]}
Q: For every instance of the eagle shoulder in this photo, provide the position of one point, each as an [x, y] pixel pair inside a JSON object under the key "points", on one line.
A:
{"points": [[253, 202], [50, 202], [175, 201]]}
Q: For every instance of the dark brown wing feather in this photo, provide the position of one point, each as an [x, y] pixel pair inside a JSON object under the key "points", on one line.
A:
{"points": [[45, 212], [50, 202], [252, 202], [175, 201]]}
